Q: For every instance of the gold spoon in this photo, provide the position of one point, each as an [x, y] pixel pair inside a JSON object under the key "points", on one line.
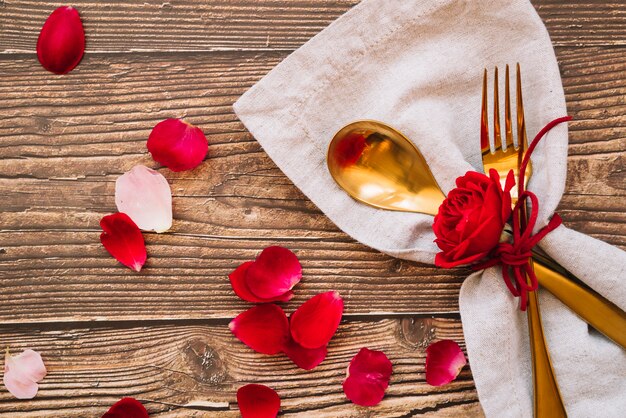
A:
{"points": [[379, 166]]}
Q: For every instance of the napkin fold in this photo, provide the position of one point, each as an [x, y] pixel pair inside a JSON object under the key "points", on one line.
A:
{"points": [[417, 65]]}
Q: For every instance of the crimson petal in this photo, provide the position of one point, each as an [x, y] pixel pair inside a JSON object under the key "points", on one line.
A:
{"points": [[305, 358], [350, 149], [275, 272], [238, 282], [61, 42], [315, 322], [126, 408], [368, 377], [444, 361], [263, 328], [177, 145], [258, 401], [123, 240]]}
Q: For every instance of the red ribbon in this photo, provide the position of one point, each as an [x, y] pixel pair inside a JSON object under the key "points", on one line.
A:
{"points": [[515, 256]]}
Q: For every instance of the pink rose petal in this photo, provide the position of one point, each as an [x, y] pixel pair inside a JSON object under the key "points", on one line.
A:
{"points": [[22, 372], [240, 286], [177, 145], [264, 328], [315, 322], [145, 196], [368, 377], [444, 361], [257, 401], [305, 358], [274, 273]]}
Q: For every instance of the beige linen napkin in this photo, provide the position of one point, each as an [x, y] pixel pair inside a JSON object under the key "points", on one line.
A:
{"points": [[417, 65]]}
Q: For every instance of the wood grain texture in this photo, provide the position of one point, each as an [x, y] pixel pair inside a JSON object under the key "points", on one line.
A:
{"points": [[169, 367], [64, 140], [209, 25]]}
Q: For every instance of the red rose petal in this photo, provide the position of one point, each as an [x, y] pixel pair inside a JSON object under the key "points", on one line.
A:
{"points": [[177, 145], [350, 149], [444, 361], [238, 282], [368, 377], [275, 272], [305, 358], [61, 42], [264, 328], [258, 401], [127, 408], [123, 240], [315, 322]]}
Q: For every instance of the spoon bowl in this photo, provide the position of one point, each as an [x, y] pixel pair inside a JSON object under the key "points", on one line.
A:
{"points": [[379, 166]]}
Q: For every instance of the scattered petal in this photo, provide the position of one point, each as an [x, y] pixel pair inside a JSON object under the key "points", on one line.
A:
{"points": [[274, 273], [263, 328], [126, 408], [22, 372], [177, 145], [350, 149], [61, 42], [258, 401], [444, 361], [123, 240], [315, 322], [145, 196], [240, 286], [305, 358], [368, 377]]}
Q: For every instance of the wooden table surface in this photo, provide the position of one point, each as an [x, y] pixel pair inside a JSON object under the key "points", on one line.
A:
{"points": [[161, 336]]}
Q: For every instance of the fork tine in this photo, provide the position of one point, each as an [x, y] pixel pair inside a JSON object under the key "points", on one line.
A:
{"points": [[508, 126], [522, 140], [484, 123], [497, 138]]}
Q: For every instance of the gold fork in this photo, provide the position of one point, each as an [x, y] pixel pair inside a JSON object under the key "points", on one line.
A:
{"points": [[547, 398]]}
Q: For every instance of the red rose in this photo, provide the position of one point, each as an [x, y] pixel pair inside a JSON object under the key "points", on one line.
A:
{"points": [[471, 219]]}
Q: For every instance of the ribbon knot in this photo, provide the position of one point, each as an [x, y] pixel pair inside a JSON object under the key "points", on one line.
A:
{"points": [[512, 256], [515, 256]]}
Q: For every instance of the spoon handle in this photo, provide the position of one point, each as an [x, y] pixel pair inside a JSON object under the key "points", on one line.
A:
{"points": [[593, 308]]}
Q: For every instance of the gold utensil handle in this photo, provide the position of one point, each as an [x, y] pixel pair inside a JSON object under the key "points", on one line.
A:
{"points": [[589, 305], [547, 398]]}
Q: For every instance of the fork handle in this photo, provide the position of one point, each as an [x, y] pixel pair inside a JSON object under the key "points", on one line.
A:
{"points": [[548, 402], [589, 305]]}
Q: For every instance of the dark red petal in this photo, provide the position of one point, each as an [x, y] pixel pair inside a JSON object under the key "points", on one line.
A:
{"points": [[444, 361], [238, 282], [123, 240], [315, 322], [368, 377], [305, 358], [177, 145], [127, 408], [350, 149], [264, 328], [275, 272], [61, 42], [257, 401]]}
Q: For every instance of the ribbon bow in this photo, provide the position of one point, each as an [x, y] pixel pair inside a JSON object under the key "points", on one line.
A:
{"points": [[515, 256]]}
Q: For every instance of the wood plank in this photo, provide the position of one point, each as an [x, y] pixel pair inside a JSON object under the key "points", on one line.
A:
{"points": [[170, 366], [65, 140], [208, 25]]}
